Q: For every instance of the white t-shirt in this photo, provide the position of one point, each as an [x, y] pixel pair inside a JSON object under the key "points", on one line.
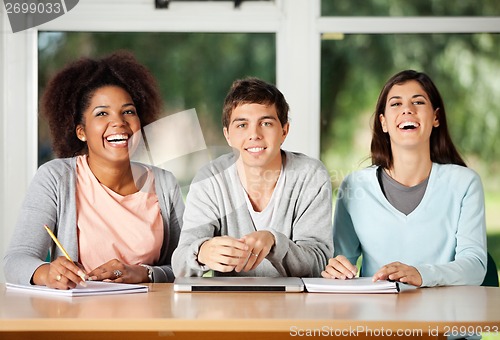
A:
{"points": [[263, 220]]}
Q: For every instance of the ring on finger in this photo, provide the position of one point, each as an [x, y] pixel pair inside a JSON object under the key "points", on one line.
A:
{"points": [[256, 255], [117, 273], [58, 277]]}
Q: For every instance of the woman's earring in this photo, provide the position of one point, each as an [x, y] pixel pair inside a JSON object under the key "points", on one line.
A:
{"points": [[83, 139]]}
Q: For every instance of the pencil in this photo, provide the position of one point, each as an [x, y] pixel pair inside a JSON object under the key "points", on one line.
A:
{"points": [[59, 245], [56, 241]]}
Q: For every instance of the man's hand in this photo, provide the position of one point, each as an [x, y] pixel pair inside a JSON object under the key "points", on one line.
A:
{"points": [[259, 245], [223, 253]]}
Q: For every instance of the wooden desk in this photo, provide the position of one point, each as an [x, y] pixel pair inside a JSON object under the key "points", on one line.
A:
{"points": [[163, 314]]}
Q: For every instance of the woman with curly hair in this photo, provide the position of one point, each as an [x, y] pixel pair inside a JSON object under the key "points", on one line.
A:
{"points": [[118, 220], [417, 214]]}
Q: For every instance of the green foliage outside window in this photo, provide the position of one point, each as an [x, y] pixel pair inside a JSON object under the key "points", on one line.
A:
{"points": [[193, 70]]}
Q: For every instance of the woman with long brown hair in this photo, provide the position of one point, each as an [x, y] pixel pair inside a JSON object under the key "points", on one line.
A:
{"points": [[417, 214]]}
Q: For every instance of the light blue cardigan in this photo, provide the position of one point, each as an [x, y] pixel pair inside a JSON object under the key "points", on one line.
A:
{"points": [[444, 237]]}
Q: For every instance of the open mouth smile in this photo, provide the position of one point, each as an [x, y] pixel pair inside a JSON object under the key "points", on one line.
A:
{"points": [[255, 149], [118, 139], [408, 125]]}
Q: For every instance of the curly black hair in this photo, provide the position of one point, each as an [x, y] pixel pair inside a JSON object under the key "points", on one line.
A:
{"points": [[69, 92]]}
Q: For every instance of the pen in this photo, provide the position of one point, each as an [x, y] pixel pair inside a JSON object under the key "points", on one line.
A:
{"points": [[59, 245]]}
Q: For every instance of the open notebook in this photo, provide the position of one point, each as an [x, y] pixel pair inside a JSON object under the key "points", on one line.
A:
{"points": [[93, 288], [238, 284], [356, 285]]}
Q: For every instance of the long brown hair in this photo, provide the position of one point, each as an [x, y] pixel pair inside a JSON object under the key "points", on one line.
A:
{"points": [[442, 148]]}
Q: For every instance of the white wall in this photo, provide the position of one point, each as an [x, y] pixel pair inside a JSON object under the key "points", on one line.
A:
{"points": [[18, 124]]}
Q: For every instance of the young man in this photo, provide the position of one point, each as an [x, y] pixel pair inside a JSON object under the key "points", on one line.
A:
{"points": [[260, 210]]}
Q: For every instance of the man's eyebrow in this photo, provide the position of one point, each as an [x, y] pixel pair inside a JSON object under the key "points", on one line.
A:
{"points": [[239, 120], [267, 117], [242, 119]]}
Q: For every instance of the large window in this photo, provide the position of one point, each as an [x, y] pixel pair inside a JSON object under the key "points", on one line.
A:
{"points": [[366, 42], [187, 66], [466, 69], [188, 69]]}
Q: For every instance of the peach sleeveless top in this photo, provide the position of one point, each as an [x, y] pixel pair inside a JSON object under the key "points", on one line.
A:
{"points": [[128, 228]]}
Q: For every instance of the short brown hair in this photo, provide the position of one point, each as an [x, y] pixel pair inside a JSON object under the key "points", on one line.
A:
{"points": [[253, 90]]}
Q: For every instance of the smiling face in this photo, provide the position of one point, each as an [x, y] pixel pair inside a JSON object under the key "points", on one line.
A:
{"points": [[409, 117], [256, 133], [108, 122]]}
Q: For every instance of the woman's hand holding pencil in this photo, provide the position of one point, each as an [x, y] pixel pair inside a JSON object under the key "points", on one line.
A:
{"points": [[62, 273]]}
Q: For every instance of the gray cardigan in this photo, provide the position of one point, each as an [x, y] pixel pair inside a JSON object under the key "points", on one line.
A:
{"points": [[303, 225], [51, 200]]}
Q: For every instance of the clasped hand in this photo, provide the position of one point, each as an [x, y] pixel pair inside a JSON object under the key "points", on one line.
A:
{"points": [[225, 253]]}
